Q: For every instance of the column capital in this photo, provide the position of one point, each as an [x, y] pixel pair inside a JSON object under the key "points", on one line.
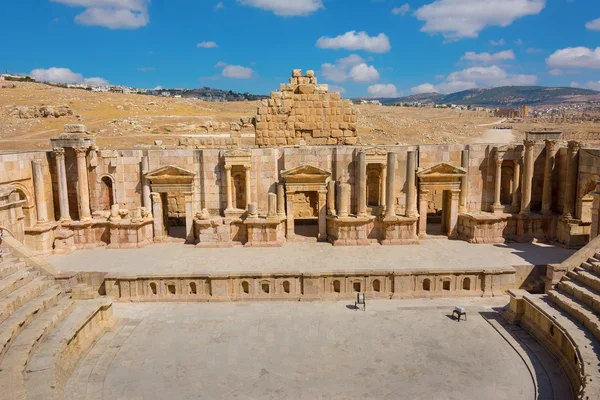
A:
{"points": [[573, 146], [227, 167], [454, 194], [155, 196], [551, 144], [247, 166], [80, 151], [59, 152], [517, 162], [528, 144]]}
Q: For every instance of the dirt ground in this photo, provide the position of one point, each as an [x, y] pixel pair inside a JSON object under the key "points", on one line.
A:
{"points": [[126, 120]]}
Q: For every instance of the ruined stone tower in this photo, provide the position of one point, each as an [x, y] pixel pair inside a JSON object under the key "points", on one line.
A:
{"points": [[305, 111]]}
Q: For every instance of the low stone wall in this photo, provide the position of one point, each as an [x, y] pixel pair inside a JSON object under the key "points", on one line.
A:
{"points": [[498, 228], [305, 286], [354, 231]]}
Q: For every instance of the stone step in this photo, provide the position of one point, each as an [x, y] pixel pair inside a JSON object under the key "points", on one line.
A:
{"points": [[19, 279], [13, 325], [10, 268], [12, 379], [19, 297], [591, 266], [588, 278], [582, 313], [53, 361], [581, 293]]}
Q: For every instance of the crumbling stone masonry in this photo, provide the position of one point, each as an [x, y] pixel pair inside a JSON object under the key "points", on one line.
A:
{"points": [[305, 112]]}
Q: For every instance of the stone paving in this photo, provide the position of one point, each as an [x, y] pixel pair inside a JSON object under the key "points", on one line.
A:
{"points": [[407, 349], [176, 258]]}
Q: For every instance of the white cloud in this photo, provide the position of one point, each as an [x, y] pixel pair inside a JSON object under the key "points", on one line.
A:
{"points": [[207, 45], [356, 41], [363, 73], [158, 88], [518, 42], [383, 90], [350, 61], [487, 58], [592, 85], [455, 86], [575, 57], [402, 10], [237, 72], [593, 25], [64, 75], [220, 64], [219, 6], [285, 8], [575, 84], [457, 19], [424, 88], [334, 73], [113, 14], [500, 42]]}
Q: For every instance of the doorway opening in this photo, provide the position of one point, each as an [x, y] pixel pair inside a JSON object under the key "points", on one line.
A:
{"points": [[438, 217], [306, 214], [174, 215]]}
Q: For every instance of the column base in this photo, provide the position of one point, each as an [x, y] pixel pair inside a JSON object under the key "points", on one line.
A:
{"points": [[498, 209]]}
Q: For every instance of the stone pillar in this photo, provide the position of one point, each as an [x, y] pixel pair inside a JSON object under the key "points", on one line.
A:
{"points": [[423, 204], [411, 188], [322, 217], [248, 191], [228, 191], [549, 166], [290, 215], [146, 198], [252, 210], [595, 231], [382, 198], [464, 182], [83, 195], [189, 219], [331, 198], [39, 190], [272, 210], [527, 176], [390, 209], [361, 185], [63, 195], [516, 183], [497, 207], [344, 199], [571, 184], [280, 200], [157, 211], [453, 219]]}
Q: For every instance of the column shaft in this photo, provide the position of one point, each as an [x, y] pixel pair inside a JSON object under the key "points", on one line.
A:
{"points": [[39, 189], [189, 219], [331, 198], [158, 217], [290, 215], [146, 199], [571, 184], [63, 194], [411, 188], [361, 185], [390, 210], [272, 210], [423, 204], [516, 183], [383, 197], [248, 191], [322, 217], [83, 197], [280, 200], [548, 167], [229, 188], [344, 200], [453, 218], [462, 203], [527, 177], [498, 184]]}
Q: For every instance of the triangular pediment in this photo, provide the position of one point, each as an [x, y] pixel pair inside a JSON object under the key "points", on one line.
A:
{"points": [[442, 170], [305, 173], [169, 171]]}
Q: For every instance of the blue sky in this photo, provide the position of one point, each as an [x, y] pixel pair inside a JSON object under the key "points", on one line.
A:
{"points": [[360, 47]]}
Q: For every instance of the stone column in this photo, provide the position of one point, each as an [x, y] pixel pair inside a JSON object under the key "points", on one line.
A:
{"points": [[423, 204], [272, 210], [344, 199], [290, 215], [228, 188], [497, 207], [146, 198], [331, 198], [527, 176], [383, 197], [157, 211], [322, 216], [571, 184], [248, 191], [464, 182], [361, 185], [549, 166], [280, 200], [453, 219], [516, 183], [83, 195], [390, 209], [411, 188], [595, 231], [189, 219], [39, 190], [63, 194]]}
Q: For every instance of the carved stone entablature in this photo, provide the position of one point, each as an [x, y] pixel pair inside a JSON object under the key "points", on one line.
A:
{"points": [[305, 174], [441, 173], [237, 157], [376, 155], [171, 179]]}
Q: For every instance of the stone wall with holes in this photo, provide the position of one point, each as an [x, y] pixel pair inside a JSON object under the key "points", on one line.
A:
{"points": [[321, 286]]}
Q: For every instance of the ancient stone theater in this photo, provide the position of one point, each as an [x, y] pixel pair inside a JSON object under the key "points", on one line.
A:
{"points": [[307, 178]]}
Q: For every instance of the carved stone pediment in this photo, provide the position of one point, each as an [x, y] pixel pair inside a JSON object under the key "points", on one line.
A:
{"points": [[376, 155], [171, 179], [441, 171], [305, 174], [238, 157]]}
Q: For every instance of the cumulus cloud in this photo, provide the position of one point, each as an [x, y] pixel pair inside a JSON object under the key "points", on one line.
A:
{"points": [[457, 19], [424, 88], [285, 8], [237, 72], [487, 58], [593, 25], [500, 42], [64, 75], [353, 68], [383, 90], [356, 41], [470, 78], [207, 45], [402, 10], [113, 14], [575, 57]]}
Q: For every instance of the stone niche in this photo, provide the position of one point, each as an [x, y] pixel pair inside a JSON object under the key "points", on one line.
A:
{"points": [[305, 112]]}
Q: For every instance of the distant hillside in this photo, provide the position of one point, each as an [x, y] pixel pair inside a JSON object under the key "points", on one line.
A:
{"points": [[504, 96]]}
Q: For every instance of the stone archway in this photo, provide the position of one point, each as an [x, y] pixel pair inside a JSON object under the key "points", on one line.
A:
{"points": [[445, 180]]}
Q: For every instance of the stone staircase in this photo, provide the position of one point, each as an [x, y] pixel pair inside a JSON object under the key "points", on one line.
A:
{"points": [[43, 331]]}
